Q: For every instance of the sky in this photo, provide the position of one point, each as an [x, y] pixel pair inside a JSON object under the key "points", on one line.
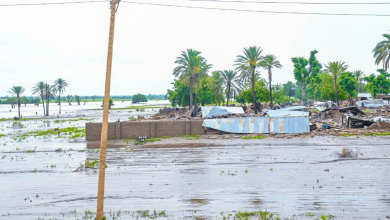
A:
{"points": [[43, 43]]}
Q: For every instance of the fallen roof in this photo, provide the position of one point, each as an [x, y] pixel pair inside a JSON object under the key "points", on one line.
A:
{"points": [[353, 109], [282, 112], [372, 103], [294, 108], [259, 125], [210, 111]]}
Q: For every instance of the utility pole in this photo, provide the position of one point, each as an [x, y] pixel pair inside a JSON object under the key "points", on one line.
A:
{"points": [[103, 141]]}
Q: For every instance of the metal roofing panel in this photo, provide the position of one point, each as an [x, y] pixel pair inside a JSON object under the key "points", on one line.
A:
{"points": [[259, 125], [223, 110], [279, 113], [293, 108]]}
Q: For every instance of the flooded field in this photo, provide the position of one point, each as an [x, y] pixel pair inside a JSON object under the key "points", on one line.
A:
{"points": [[90, 109], [291, 178]]}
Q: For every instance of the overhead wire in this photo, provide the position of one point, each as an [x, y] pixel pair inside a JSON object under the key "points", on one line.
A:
{"points": [[226, 9], [258, 11], [54, 3], [281, 2]]}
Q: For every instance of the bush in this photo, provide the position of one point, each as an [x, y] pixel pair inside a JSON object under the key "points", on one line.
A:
{"points": [[111, 102], [139, 98], [348, 153]]}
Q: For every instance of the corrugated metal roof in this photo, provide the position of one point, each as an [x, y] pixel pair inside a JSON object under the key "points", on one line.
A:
{"points": [[259, 125], [279, 113], [373, 103], [366, 95], [220, 110], [293, 108]]}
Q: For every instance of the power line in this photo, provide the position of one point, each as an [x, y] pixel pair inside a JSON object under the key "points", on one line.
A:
{"points": [[222, 1], [303, 3], [54, 3], [258, 11], [222, 9]]}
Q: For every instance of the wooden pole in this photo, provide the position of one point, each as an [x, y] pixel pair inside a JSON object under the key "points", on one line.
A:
{"points": [[103, 141]]}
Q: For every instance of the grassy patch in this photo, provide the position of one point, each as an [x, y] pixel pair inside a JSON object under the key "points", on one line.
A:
{"points": [[72, 132], [22, 119], [91, 164], [2, 135], [254, 137], [152, 215], [130, 140], [191, 137], [346, 135], [136, 107], [366, 111], [262, 215], [151, 140], [131, 118], [377, 134], [77, 119]]}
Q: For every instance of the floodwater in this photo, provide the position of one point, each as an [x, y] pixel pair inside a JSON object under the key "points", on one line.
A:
{"points": [[294, 178], [67, 110]]}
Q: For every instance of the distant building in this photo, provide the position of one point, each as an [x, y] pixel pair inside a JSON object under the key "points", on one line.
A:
{"points": [[364, 96]]}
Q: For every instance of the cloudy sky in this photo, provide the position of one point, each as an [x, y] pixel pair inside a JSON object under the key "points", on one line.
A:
{"points": [[42, 43]]}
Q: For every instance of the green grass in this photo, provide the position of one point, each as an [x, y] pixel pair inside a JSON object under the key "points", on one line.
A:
{"points": [[23, 119], [151, 140], [191, 137], [366, 111], [377, 134], [254, 137], [2, 135], [346, 135], [77, 119], [92, 164], [72, 132], [261, 215], [136, 107]]}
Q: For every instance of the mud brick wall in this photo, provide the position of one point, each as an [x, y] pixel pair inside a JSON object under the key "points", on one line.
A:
{"points": [[122, 130]]}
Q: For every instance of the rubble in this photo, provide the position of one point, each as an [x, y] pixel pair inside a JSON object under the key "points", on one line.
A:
{"points": [[324, 121]]}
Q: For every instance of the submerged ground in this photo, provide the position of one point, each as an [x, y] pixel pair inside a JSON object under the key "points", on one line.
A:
{"points": [[189, 179]]}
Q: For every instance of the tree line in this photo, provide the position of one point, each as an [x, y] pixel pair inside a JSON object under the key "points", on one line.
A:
{"points": [[314, 81]]}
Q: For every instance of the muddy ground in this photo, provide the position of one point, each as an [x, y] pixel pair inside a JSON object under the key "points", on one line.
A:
{"points": [[289, 177], [190, 178]]}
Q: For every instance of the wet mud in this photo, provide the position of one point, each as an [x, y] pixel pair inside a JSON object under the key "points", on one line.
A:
{"points": [[297, 178]]}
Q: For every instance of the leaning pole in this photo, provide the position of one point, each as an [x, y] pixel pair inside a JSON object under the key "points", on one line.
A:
{"points": [[103, 141]]}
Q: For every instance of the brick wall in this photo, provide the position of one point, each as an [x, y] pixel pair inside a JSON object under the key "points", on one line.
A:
{"points": [[123, 130]]}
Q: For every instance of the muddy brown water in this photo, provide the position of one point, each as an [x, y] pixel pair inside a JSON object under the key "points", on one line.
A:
{"points": [[284, 176]]}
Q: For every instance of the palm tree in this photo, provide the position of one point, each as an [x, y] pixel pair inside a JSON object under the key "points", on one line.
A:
{"points": [[268, 63], [359, 76], [191, 65], [60, 87], [249, 62], [17, 91], [382, 52], [48, 92], [336, 68], [40, 89], [215, 84], [230, 79]]}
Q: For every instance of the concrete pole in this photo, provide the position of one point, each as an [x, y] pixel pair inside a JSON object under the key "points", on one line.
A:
{"points": [[103, 141]]}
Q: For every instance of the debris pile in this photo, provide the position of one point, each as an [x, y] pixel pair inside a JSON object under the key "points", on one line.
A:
{"points": [[325, 119]]}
